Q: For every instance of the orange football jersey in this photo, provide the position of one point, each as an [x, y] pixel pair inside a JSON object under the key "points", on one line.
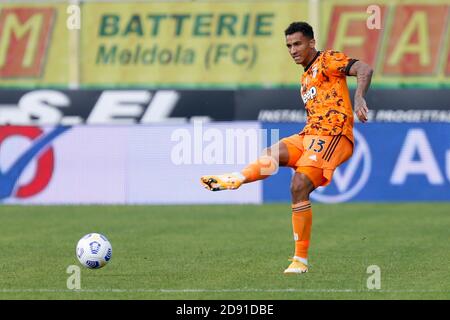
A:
{"points": [[326, 97]]}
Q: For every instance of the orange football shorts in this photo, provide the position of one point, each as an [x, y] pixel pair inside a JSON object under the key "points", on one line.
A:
{"points": [[317, 156]]}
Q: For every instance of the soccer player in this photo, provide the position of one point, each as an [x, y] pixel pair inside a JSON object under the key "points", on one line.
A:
{"points": [[325, 142]]}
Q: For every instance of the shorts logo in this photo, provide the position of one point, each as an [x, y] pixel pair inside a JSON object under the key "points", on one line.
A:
{"points": [[351, 177], [39, 150]]}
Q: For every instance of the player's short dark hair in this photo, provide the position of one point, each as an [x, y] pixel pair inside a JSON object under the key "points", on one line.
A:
{"points": [[302, 27]]}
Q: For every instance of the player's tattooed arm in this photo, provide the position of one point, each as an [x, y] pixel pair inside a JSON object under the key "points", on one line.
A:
{"points": [[363, 73]]}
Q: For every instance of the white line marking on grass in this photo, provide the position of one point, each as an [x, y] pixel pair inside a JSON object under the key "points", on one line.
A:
{"points": [[218, 290]]}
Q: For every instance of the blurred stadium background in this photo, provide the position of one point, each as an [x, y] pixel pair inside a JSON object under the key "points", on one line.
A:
{"points": [[125, 103]]}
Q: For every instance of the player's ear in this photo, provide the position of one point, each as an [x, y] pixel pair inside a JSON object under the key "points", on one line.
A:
{"points": [[312, 43]]}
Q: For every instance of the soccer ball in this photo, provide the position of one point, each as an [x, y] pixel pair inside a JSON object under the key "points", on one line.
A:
{"points": [[94, 251]]}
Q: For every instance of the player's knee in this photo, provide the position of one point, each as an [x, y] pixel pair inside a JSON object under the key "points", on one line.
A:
{"points": [[269, 157], [278, 152], [301, 187], [299, 192]]}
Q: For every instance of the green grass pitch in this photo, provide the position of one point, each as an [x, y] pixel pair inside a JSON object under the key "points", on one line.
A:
{"points": [[227, 252]]}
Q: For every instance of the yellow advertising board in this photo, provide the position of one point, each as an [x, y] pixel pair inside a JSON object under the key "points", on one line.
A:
{"points": [[235, 43], [34, 45], [215, 44]]}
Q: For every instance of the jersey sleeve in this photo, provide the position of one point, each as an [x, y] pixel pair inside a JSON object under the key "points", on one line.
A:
{"points": [[338, 64]]}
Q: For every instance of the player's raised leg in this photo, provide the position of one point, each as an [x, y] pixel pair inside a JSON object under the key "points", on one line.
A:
{"points": [[266, 165]]}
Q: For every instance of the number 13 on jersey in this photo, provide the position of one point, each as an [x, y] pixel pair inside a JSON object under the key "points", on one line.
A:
{"points": [[316, 145]]}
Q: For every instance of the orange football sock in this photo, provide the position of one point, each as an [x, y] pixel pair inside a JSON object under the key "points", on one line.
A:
{"points": [[260, 169], [301, 223]]}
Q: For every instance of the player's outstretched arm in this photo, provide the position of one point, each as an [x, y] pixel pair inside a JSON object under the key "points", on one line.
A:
{"points": [[363, 73]]}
